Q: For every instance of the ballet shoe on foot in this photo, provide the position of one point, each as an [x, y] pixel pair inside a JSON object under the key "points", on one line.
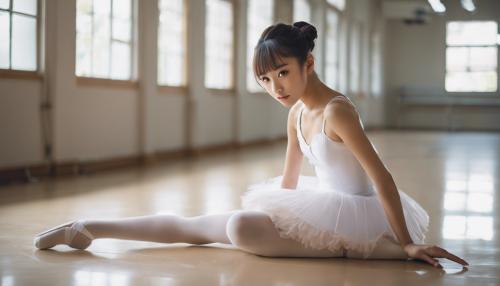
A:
{"points": [[73, 234]]}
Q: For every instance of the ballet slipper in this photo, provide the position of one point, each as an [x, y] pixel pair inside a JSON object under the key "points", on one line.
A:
{"points": [[73, 234]]}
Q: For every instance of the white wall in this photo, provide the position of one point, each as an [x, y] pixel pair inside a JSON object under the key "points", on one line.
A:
{"points": [[415, 62], [91, 122], [20, 128]]}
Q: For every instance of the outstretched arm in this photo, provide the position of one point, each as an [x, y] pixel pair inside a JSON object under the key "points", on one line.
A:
{"points": [[345, 120]]}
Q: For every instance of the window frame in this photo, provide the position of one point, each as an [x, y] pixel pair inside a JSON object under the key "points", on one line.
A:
{"points": [[17, 73], [175, 89], [132, 83], [495, 93]]}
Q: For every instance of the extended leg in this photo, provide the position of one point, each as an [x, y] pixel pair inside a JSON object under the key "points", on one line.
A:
{"points": [[164, 228], [254, 232]]}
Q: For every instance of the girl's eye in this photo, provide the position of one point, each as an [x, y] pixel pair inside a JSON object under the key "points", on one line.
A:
{"points": [[285, 72], [264, 79]]}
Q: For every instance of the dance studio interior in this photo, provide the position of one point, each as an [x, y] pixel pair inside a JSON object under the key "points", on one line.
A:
{"points": [[123, 108]]}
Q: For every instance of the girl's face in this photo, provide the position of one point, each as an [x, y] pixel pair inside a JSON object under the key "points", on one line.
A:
{"points": [[287, 83]]}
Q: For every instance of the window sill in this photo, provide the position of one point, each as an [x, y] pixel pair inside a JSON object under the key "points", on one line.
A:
{"points": [[257, 93], [104, 82], [166, 89], [19, 74], [216, 91]]}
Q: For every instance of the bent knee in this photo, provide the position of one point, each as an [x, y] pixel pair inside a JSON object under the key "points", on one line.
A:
{"points": [[244, 228]]}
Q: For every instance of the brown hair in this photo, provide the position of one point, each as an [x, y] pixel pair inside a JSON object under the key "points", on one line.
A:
{"points": [[282, 40]]}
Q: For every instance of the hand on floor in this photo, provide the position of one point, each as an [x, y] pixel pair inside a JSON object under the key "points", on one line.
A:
{"points": [[428, 253]]}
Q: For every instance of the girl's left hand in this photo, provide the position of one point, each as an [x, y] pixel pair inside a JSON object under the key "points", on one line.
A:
{"points": [[428, 252]]}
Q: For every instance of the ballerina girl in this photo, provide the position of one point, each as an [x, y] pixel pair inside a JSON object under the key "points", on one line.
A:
{"points": [[351, 208]]}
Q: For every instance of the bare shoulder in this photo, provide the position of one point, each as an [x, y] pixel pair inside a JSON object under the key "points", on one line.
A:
{"points": [[341, 112]]}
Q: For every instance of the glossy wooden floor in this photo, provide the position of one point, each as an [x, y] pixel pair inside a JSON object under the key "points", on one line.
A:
{"points": [[452, 175]]}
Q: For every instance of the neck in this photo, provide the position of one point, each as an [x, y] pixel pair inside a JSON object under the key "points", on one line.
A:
{"points": [[316, 94]]}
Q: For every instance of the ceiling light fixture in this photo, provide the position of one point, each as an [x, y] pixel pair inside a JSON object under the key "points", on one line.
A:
{"points": [[468, 5], [437, 6]]}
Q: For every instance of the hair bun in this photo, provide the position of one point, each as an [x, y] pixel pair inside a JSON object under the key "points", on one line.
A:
{"points": [[307, 31]]}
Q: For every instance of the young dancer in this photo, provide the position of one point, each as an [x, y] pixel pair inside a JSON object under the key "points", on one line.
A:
{"points": [[351, 208]]}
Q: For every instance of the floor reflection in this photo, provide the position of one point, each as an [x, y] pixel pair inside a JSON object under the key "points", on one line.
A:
{"points": [[98, 278], [468, 200]]}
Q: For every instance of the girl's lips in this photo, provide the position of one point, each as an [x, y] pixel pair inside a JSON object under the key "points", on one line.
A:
{"points": [[283, 97]]}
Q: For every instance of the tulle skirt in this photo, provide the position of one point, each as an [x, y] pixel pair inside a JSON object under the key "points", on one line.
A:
{"points": [[331, 219]]}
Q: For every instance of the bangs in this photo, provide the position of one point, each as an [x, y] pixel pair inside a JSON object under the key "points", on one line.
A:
{"points": [[268, 56]]}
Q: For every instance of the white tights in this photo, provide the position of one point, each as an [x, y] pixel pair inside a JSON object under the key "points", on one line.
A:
{"points": [[250, 231]]}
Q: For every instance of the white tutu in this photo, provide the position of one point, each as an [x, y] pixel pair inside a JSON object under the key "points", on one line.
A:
{"points": [[331, 219], [339, 207]]}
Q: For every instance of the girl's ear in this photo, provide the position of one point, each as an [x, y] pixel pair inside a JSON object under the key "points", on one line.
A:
{"points": [[310, 63]]}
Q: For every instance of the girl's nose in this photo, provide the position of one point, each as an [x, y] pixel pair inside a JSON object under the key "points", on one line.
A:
{"points": [[277, 89]]}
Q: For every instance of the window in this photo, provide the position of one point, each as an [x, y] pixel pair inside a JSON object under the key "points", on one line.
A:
{"points": [[104, 39], [355, 59], [260, 16], [339, 4], [18, 34], [331, 56], [376, 61], [172, 43], [301, 11], [219, 50], [471, 56]]}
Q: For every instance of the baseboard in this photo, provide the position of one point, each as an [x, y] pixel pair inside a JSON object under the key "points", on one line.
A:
{"points": [[32, 173]]}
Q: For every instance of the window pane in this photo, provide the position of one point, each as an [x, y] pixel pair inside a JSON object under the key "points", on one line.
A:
{"points": [[331, 71], [260, 16], [122, 9], [121, 30], [471, 81], [102, 7], [83, 44], [301, 11], [471, 33], [339, 4], [25, 6], [219, 44], [4, 39], [4, 4], [171, 44], [355, 62], [101, 46], [84, 6], [120, 65], [483, 59], [23, 42], [457, 59]]}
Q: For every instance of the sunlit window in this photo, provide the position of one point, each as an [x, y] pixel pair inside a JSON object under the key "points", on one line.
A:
{"points": [[260, 16], [219, 50], [355, 59], [339, 4], [471, 56], [104, 39], [376, 61], [301, 10], [332, 49], [18, 34], [172, 43]]}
